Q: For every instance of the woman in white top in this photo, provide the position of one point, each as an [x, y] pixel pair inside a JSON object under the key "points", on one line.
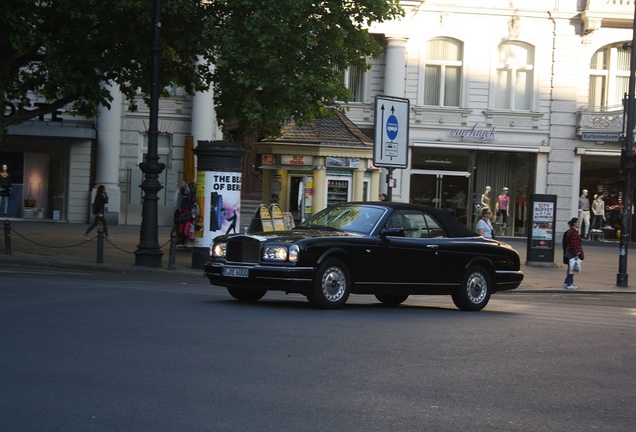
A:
{"points": [[484, 228]]}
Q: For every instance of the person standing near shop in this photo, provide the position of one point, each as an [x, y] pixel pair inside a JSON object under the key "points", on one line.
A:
{"points": [[572, 249], [584, 214], [5, 188], [99, 204], [484, 227]]}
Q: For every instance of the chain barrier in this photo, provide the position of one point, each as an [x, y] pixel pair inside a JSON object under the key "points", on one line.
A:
{"points": [[9, 232]]}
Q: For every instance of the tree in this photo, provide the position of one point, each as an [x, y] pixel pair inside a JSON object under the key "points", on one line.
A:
{"points": [[272, 60]]}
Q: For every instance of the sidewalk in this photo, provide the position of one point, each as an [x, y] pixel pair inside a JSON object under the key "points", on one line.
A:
{"points": [[59, 244]]}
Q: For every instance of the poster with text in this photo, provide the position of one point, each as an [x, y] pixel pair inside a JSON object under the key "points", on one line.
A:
{"points": [[542, 221], [219, 205]]}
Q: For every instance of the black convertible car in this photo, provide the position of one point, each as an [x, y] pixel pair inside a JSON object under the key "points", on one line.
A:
{"points": [[391, 250]]}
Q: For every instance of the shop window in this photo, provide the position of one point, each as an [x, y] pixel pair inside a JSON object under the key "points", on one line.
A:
{"points": [[499, 170], [609, 78], [443, 72], [515, 80]]}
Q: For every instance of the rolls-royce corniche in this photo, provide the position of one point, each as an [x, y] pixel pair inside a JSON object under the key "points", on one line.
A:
{"points": [[386, 249]]}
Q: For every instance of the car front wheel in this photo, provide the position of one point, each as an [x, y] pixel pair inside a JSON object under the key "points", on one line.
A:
{"points": [[246, 295], [475, 291], [332, 285]]}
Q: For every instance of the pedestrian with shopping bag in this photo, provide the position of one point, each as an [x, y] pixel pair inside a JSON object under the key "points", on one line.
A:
{"points": [[573, 252]]}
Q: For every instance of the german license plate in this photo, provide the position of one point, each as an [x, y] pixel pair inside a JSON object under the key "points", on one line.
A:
{"points": [[235, 272]]}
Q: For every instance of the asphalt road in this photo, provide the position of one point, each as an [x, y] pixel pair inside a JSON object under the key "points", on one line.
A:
{"points": [[83, 351]]}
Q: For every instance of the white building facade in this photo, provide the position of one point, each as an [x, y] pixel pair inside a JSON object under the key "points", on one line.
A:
{"points": [[524, 95]]}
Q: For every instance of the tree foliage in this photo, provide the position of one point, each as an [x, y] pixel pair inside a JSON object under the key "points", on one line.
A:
{"points": [[272, 59]]}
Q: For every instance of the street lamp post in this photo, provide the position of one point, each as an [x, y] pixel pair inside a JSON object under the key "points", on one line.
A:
{"points": [[627, 166], [148, 252]]}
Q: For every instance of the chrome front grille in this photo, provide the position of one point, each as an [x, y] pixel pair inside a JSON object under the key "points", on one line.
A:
{"points": [[243, 249]]}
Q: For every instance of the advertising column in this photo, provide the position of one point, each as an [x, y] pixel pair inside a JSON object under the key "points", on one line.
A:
{"points": [[218, 195], [541, 225]]}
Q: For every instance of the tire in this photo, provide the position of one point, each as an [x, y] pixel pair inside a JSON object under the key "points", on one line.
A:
{"points": [[475, 291], [332, 285], [392, 299], [247, 295]]}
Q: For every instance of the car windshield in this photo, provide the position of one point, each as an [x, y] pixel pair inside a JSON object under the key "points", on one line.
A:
{"points": [[360, 219]]}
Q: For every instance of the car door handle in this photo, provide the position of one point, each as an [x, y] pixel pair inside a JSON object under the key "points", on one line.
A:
{"points": [[432, 246]]}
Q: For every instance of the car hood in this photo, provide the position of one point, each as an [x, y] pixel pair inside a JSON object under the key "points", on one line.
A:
{"points": [[293, 236]]}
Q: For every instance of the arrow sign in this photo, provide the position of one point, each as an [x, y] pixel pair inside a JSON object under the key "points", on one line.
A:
{"points": [[390, 147]]}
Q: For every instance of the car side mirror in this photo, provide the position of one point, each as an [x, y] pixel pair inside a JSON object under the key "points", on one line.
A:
{"points": [[392, 232]]}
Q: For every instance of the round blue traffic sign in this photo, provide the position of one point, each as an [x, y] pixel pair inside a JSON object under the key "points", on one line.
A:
{"points": [[392, 127]]}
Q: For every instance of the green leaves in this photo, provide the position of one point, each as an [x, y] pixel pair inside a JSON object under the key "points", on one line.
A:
{"points": [[272, 59]]}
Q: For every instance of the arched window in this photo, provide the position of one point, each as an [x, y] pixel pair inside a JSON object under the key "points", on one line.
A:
{"points": [[609, 77], [515, 76], [443, 72]]}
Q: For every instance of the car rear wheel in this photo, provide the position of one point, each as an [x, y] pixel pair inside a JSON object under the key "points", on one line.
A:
{"points": [[332, 285], [392, 299], [246, 295], [475, 291]]}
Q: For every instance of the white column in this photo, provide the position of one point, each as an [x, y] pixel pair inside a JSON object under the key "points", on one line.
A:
{"points": [[204, 124], [108, 151], [541, 180], [203, 119], [395, 72]]}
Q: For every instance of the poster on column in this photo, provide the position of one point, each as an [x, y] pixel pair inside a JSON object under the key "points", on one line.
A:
{"points": [[219, 205]]}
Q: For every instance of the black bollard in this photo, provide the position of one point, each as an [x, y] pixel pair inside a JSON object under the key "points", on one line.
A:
{"points": [[100, 246], [173, 249], [7, 237]]}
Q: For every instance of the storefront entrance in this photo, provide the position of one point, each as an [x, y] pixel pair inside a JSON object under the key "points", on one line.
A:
{"points": [[442, 189]]}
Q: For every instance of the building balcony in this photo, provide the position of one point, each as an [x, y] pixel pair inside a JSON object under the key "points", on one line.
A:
{"points": [[600, 125], [607, 13]]}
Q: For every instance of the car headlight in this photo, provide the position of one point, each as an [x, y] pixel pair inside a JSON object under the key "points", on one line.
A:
{"points": [[275, 253], [218, 250], [294, 253]]}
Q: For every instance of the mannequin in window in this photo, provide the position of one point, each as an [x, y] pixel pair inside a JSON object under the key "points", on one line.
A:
{"points": [[485, 197], [598, 212], [584, 213], [503, 202]]}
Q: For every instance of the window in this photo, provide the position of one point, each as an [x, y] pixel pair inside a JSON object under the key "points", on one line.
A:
{"points": [[443, 72], [609, 77], [415, 224], [354, 80], [163, 148], [515, 80]]}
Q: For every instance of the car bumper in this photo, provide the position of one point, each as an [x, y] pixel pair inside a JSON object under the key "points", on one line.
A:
{"points": [[290, 279], [508, 280]]}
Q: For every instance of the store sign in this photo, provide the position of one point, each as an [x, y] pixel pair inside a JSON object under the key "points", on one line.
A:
{"points": [[300, 160], [600, 137], [474, 133], [267, 159], [342, 162]]}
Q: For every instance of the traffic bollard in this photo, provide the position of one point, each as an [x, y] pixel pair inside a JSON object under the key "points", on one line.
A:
{"points": [[172, 258], [7, 237], [100, 246]]}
